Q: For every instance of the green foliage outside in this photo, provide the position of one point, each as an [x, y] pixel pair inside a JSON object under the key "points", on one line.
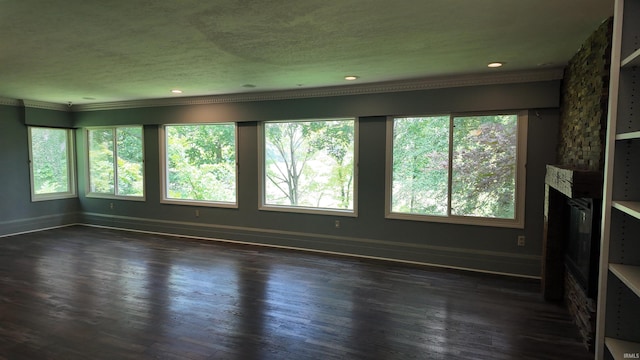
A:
{"points": [[201, 162], [125, 144], [307, 163], [420, 165], [101, 167], [50, 157], [129, 147], [310, 163], [484, 166], [483, 173]]}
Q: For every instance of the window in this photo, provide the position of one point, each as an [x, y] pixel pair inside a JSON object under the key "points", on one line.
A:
{"points": [[309, 166], [51, 157], [200, 164], [460, 168], [116, 162]]}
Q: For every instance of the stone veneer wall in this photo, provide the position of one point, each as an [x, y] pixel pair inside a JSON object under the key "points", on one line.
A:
{"points": [[582, 308], [583, 125], [585, 92]]}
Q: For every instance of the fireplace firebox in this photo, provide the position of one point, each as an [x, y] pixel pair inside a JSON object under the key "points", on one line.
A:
{"points": [[582, 247]]}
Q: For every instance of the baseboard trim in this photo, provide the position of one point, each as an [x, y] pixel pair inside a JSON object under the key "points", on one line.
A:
{"points": [[354, 247], [182, 230], [298, 234], [36, 224], [38, 230]]}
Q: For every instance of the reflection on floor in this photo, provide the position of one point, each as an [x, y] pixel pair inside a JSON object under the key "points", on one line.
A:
{"points": [[86, 293]]}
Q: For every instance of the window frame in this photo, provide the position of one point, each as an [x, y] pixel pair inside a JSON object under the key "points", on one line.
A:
{"points": [[72, 187], [262, 205], [520, 177], [115, 194], [164, 164]]}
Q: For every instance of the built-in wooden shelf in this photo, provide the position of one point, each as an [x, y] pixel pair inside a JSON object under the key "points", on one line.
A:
{"points": [[628, 136], [618, 312], [631, 60], [628, 274], [628, 207], [618, 348]]}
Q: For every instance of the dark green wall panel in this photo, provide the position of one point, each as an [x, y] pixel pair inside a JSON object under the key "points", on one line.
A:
{"points": [[50, 118], [369, 234], [460, 99], [17, 212]]}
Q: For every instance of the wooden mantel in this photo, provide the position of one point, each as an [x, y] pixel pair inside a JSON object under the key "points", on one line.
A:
{"points": [[574, 183]]}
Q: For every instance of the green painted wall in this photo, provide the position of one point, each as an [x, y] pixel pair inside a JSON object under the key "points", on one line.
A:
{"points": [[460, 99], [17, 212], [369, 234]]}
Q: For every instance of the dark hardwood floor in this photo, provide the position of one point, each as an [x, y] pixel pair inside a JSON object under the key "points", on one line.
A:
{"points": [[88, 293]]}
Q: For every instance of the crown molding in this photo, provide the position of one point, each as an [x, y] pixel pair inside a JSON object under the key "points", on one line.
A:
{"points": [[10, 102], [46, 105], [34, 104], [345, 90]]}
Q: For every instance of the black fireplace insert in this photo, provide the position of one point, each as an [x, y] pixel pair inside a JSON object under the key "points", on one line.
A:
{"points": [[582, 247]]}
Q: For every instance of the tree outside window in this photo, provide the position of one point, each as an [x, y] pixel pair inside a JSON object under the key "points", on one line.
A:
{"points": [[420, 182], [201, 163], [310, 164], [456, 166], [484, 166], [52, 163], [116, 161]]}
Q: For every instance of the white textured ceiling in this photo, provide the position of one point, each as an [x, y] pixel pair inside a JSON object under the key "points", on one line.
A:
{"points": [[87, 51]]}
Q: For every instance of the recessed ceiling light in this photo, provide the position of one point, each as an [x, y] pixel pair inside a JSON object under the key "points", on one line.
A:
{"points": [[350, 77], [176, 91], [496, 64]]}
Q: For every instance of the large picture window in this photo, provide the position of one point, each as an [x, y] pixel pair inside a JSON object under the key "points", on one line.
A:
{"points": [[200, 164], [460, 168], [309, 166], [116, 162], [51, 157]]}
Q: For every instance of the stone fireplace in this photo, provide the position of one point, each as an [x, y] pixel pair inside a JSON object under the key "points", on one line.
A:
{"points": [[573, 186], [573, 199]]}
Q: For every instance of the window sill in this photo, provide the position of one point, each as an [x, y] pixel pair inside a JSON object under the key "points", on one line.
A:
{"points": [[115, 197], [460, 220], [47, 197], [202, 203], [309, 210]]}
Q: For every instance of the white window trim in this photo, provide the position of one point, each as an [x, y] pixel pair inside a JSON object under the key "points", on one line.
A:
{"points": [[521, 156], [115, 195], [71, 170], [164, 180], [262, 205]]}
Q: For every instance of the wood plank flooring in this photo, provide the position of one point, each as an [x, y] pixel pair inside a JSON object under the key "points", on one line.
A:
{"points": [[87, 293]]}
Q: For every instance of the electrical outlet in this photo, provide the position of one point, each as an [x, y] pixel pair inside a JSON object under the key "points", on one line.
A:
{"points": [[521, 240], [111, 206], [197, 213], [337, 223]]}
